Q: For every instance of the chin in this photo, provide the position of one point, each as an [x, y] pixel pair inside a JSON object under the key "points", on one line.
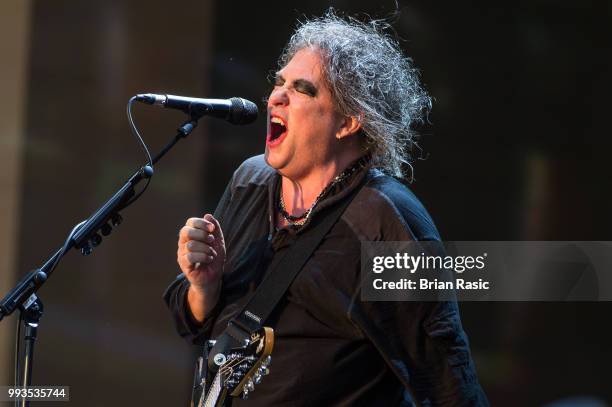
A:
{"points": [[271, 160], [278, 164], [267, 157]]}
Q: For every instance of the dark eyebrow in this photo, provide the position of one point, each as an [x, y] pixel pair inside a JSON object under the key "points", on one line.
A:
{"points": [[278, 78], [303, 84], [306, 85]]}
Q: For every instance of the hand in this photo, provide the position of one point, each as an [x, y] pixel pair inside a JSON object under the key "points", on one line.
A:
{"points": [[201, 254]]}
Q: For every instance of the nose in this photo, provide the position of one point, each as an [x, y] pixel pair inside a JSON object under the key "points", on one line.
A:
{"points": [[278, 97]]}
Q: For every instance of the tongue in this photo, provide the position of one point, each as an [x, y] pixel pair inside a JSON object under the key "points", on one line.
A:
{"points": [[276, 130]]}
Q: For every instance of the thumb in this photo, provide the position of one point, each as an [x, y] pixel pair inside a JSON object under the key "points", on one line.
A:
{"points": [[217, 232]]}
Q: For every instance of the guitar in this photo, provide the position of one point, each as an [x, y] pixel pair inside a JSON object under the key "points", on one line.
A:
{"points": [[238, 370]]}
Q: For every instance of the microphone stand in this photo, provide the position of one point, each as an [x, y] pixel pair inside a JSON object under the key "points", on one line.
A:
{"points": [[86, 237]]}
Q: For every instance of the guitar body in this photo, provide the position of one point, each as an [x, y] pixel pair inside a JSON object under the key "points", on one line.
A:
{"points": [[238, 370]]}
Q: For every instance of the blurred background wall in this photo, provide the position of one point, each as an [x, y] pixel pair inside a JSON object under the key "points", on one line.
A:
{"points": [[14, 45], [517, 150]]}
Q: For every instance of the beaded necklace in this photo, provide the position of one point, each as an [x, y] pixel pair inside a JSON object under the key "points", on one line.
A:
{"points": [[297, 221]]}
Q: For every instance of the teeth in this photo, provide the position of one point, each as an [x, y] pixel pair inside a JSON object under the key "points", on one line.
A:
{"points": [[277, 120]]}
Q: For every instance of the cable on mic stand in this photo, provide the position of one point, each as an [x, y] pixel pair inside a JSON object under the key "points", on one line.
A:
{"points": [[85, 236]]}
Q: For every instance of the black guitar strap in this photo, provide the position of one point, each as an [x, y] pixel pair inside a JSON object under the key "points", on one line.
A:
{"points": [[280, 274]]}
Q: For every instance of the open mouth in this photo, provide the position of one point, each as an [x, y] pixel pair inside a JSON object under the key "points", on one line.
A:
{"points": [[277, 129]]}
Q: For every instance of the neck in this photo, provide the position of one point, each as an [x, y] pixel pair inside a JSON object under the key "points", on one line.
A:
{"points": [[299, 195]]}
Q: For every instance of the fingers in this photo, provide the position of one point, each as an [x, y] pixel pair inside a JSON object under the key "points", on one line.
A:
{"points": [[188, 233], [195, 241], [216, 230], [198, 257], [199, 247], [201, 223], [200, 242], [189, 261]]}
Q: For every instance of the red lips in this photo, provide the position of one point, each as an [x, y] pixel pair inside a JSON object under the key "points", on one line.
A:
{"points": [[277, 130]]}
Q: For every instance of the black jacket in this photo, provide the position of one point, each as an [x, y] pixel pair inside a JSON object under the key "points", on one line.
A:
{"points": [[331, 348]]}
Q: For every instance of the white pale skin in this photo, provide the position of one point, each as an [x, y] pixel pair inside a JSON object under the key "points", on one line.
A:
{"points": [[317, 145]]}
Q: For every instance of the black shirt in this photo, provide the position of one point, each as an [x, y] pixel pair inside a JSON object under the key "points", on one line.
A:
{"points": [[330, 347]]}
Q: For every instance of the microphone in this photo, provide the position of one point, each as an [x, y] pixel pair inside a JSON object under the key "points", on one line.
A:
{"points": [[234, 110]]}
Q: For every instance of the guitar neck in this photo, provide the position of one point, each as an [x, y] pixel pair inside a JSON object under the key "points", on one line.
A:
{"points": [[240, 368], [213, 396]]}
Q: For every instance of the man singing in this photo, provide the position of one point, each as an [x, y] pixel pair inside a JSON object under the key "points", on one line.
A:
{"points": [[339, 124]]}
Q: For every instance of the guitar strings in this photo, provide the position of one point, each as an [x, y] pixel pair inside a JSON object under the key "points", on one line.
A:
{"points": [[230, 366]]}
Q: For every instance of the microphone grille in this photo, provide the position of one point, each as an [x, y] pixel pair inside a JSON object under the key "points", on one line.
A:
{"points": [[242, 111]]}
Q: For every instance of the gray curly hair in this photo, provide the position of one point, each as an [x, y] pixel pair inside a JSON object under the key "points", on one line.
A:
{"points": [[368, 77]]}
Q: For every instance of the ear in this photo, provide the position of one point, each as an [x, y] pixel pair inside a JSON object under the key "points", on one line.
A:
{"points": [[348, 126]]}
